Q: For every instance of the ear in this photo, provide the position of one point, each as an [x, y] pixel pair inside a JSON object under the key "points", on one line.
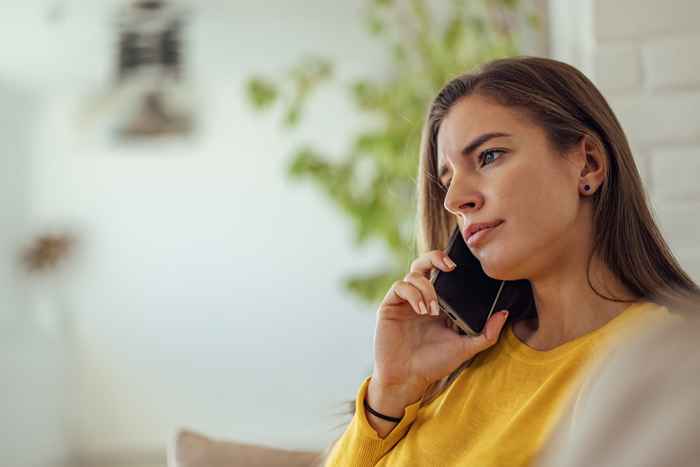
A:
{"points": [[591, 162]]}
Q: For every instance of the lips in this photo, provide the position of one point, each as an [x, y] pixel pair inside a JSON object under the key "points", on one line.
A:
{"points": [[470, 233]]}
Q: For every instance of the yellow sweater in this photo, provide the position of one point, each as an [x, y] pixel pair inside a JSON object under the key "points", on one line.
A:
{"points": [[498, 412]]}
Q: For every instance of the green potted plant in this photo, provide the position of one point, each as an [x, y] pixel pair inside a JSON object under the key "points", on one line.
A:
{"points": [[374, 181]]}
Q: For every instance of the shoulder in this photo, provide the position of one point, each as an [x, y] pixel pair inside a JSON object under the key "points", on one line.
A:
{"points": [[640, 318]]}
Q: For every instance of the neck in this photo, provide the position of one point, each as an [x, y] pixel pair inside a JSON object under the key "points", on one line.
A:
{"points": [[567, 307]]}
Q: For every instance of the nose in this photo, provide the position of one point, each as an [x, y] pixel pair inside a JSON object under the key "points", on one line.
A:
{"points": [[462, 199]]}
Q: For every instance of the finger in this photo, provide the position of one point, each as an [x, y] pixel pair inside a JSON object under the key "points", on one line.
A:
{"points": [[426, 289], [432, 259], [494, 326], [489, 336], [406, 292]]}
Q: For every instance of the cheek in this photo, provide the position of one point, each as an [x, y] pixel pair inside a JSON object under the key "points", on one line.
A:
{"points": [[544, 211], [538, 215]]}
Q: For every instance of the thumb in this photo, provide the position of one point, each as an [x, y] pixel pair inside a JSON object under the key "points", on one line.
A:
{"points": [[492, 329]]}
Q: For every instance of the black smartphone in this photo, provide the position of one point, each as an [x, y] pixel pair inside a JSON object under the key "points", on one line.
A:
{"points": [[468, 296]]}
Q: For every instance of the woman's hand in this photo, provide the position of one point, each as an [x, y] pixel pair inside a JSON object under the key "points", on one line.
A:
{"points": [[413, 346]]}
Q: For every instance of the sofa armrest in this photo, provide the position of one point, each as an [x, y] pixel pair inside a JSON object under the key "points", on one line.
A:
{"points": [[191, 449]]}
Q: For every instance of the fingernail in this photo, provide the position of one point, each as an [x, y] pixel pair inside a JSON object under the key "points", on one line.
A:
{"points": [[423, 309], [505, 314], [435, 308], [449, 262]]}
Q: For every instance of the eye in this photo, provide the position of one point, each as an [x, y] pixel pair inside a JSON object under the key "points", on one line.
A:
{"points": [[483, 157]]}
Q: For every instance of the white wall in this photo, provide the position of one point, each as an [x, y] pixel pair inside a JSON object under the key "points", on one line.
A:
{"points": [[17, 116], [642, 54], [32, 358], [209, 292]]}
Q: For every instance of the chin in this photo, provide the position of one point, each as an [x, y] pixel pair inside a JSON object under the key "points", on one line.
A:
{"points": [[496, 266]]}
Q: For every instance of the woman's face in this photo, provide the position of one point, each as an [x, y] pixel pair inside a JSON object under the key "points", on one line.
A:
{"points": [[516, 178]]}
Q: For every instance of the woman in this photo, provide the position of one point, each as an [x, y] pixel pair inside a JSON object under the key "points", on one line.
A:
{"points": [[530, 146]]}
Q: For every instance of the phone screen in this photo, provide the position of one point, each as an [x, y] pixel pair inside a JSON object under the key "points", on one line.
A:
{"points": [[468, 296]]}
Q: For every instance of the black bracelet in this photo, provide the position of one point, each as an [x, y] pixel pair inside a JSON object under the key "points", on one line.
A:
{"points": [[380, 415]]}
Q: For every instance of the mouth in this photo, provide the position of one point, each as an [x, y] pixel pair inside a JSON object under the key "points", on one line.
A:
{"points": [[478, 237]]}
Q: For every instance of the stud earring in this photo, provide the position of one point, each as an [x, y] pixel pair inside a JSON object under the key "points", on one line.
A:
{"points": [[586, 187]]}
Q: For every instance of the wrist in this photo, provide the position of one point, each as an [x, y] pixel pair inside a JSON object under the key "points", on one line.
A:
{"points": [[391, 400], [380, 415]]}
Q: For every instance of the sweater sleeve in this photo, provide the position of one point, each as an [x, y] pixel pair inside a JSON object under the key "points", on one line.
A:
{"points": [[360, 445]]}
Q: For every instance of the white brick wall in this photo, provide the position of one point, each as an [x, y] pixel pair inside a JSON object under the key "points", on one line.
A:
{"points": [[676, 173], [673, 62], [656, 118], [643, 19], [618, 68], [644, 55]]}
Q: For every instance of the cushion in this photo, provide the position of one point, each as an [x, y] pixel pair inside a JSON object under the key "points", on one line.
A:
{"points": [[640, 408]]}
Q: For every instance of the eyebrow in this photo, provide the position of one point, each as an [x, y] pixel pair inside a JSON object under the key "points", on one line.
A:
{"points": [[469, 148]]}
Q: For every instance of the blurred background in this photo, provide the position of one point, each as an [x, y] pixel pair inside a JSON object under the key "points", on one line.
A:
{"points": [[204, 202]]}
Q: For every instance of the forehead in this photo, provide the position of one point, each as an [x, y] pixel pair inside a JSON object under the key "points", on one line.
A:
{"points": [[471, 117]]}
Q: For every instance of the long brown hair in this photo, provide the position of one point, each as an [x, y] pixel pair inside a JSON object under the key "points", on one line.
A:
{"points": [[567, 106]]}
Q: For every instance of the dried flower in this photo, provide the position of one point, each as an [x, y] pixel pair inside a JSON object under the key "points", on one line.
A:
{"points": [[47, 250]]}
